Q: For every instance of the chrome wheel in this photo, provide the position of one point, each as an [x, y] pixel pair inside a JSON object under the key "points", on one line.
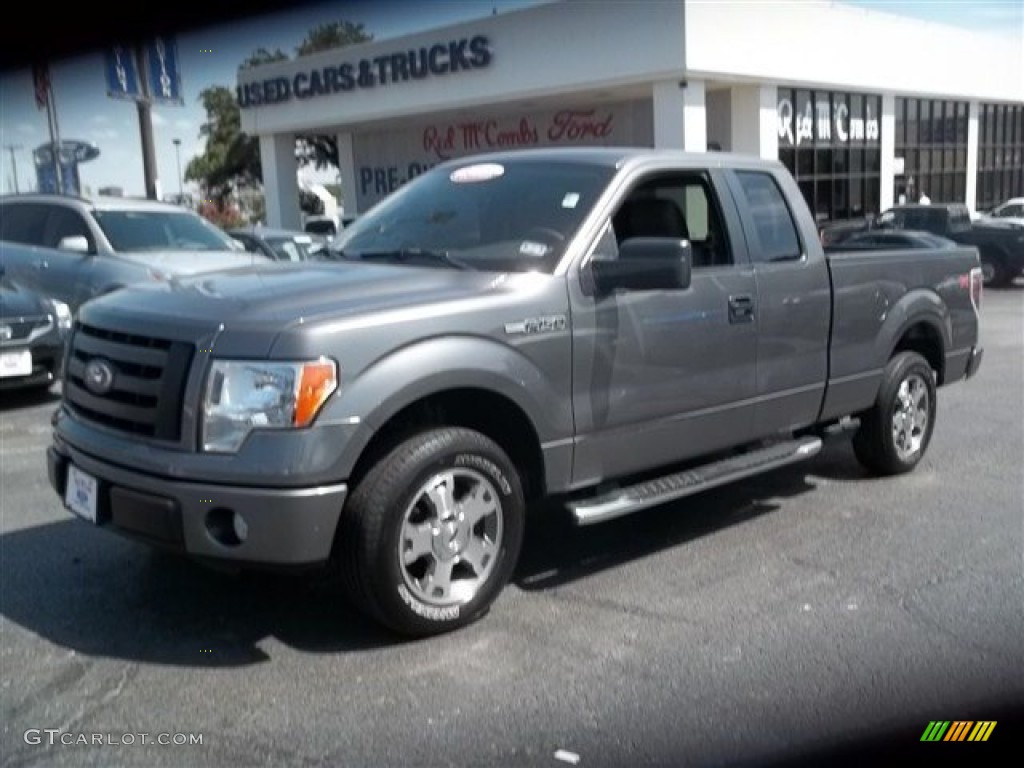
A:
{"points": [[450, 537], [910, 416]]}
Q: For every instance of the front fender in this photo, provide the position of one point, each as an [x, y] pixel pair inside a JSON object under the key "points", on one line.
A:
{"points": [[438, 365]]}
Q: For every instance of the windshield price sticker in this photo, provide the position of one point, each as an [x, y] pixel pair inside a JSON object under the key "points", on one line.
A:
{"points": [[530, 248], [479, 172]]}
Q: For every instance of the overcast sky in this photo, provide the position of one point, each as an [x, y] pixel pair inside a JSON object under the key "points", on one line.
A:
{"points": [[86, 113]]}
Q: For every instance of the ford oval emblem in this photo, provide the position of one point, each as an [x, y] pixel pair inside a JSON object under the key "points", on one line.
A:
{"points": [[99, 376]]}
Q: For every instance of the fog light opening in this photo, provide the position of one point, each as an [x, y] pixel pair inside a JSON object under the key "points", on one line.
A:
{"points": [[226, 527], [241, 528]]}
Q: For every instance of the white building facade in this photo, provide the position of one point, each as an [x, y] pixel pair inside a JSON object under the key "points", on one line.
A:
{"points": [[865, 108]]}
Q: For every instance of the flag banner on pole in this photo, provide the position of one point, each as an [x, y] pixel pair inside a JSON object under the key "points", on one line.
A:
{"points": [[41, 83]]}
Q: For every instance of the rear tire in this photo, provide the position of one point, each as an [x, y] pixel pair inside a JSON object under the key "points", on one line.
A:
{"points": [[431, 534], [994, 272], [894, 435]]}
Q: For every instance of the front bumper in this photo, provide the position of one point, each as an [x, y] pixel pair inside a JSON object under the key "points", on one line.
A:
{"points": [[287, 527], [47, 362]]}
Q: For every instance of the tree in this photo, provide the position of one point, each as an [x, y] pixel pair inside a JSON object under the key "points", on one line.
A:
{"points": [[310, 203], [263, 56], [231, 157], [336, 34], [321, 151]]}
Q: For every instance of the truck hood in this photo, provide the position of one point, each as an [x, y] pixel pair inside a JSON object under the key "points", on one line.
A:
{"points": [[16, 301], [280, 294], [193, 262]]}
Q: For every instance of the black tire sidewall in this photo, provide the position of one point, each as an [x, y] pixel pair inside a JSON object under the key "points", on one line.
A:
{"points": [[1000, 273], [899, 369], [394, 602]]}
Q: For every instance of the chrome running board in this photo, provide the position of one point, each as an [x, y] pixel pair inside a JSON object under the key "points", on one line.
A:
{"points": [[633, 498]]}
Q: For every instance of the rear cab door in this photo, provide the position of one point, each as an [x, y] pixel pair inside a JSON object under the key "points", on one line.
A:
{"points": [[794, 299]]}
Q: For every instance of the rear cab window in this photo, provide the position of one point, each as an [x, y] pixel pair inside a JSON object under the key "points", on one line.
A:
{"points": [[775, 232]]}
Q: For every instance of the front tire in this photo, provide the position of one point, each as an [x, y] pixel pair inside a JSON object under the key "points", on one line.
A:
{"points": [[895, 433], [431, 534]]}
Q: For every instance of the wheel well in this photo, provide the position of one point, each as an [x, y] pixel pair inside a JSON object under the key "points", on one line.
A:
{"points": [[491, 414], [926, 341]]}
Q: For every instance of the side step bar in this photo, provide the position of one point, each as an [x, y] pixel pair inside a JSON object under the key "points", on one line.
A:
{"points": [[633, 498]]}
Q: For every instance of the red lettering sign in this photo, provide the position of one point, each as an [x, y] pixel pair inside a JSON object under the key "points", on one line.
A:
{"points": [[579, 125], [441, 143]]}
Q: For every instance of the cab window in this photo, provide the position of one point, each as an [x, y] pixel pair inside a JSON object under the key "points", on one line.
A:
{"points": [[774, 230], [66, 223], [23, 222], [678, 206]]}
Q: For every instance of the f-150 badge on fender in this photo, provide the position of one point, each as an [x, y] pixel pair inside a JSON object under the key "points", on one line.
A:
{"points": [[543, 324]]}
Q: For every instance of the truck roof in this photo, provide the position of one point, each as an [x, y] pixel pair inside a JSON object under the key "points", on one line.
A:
{"points": [[618, 156], [98, 202]]}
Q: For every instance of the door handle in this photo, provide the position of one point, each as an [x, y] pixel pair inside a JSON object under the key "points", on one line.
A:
{"points": [[741, 309], [42, 264]]}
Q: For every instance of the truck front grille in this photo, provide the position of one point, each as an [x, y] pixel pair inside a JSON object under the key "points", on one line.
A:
{"points": [[20, 329], [144, 394]]}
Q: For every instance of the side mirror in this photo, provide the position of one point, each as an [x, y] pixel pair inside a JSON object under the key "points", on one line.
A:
{"points": [[76, 243], [646, 264]]}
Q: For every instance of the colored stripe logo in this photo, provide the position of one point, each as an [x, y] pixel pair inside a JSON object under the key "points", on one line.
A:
{"points": [[958, 730]]}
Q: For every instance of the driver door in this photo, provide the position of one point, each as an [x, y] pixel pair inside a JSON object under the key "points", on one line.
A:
{"points": [[62, 271], [660, 376]]}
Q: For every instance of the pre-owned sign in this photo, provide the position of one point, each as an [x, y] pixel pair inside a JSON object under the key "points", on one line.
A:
{"points": [[465, 54]]}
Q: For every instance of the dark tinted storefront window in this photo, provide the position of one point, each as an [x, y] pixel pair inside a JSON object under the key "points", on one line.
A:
{"points": [[1000, 153], [829, 141], [931, 139]]}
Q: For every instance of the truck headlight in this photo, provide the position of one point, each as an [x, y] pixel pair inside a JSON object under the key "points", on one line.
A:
{"points": [[62, 314], [243, 395]]}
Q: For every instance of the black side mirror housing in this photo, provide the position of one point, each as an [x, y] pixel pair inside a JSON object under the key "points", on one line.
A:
{"points": [[646, 264]]}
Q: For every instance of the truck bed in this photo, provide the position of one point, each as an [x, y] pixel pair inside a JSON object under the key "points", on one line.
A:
{"points": [[875, 291]]}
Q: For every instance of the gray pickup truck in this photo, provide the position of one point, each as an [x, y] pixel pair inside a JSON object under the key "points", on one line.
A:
{"points": [[616, 328]]}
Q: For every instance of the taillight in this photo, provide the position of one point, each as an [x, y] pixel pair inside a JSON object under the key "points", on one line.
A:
{"points": [[976, 283]]}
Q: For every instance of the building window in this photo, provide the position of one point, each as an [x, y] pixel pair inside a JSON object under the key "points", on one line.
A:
{"points": [[1000, 154], [829, 141], [931, 147]]}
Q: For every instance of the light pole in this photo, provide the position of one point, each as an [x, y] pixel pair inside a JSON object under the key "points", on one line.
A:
{"points": [[177, 152]]}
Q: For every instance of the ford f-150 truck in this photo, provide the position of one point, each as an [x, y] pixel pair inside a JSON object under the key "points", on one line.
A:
{"points": [[615, 328]]}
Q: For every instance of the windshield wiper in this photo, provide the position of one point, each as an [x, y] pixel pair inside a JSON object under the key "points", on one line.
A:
{"points": [[408, 254]]}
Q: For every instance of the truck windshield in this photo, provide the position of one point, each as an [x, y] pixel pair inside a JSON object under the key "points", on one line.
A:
{"points": [[514, 216], [134, 231]]}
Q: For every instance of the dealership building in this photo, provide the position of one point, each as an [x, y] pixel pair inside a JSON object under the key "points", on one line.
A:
{"points": [[865, 108]]}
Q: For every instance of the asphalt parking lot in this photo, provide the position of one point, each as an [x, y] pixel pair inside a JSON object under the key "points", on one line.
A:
{"points": [[810, 615]]}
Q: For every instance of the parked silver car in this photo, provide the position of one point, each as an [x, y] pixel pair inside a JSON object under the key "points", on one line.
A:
{"points": [[82, 248]]}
